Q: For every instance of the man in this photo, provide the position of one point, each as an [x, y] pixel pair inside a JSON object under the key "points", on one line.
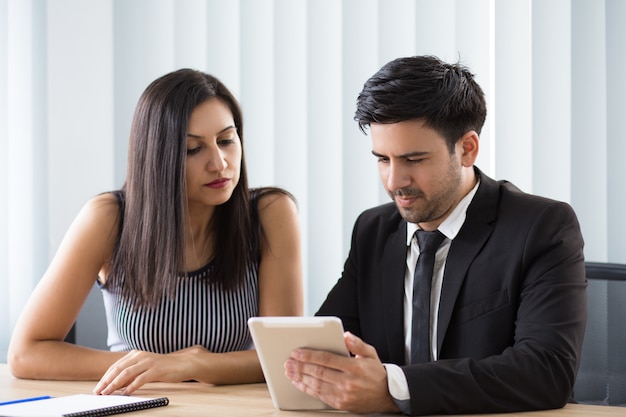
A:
{"points": [[508, 303]]}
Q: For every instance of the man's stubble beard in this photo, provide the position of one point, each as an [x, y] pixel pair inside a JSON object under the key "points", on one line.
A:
{"points": [[438, 205]]}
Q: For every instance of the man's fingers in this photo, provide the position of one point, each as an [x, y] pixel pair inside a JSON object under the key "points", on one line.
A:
{"points": [[358, 347], [319, 357], [356, 384], [309, 371], [314, 386], [328, 366]]}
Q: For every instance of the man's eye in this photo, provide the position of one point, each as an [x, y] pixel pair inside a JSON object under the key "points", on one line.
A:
{"points": [[415, 161], [383, 160]]}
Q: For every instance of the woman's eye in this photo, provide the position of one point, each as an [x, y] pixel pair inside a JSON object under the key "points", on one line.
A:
{"points": [[193, 151], [225, 141]]}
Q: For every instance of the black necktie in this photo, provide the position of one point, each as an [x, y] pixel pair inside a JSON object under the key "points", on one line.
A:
{"points": [[420, 326]]}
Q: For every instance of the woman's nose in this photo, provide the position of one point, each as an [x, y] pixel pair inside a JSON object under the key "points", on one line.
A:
{"points": [[216, 161]]}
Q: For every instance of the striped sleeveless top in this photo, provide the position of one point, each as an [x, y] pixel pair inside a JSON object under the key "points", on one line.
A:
{"points": [[199, 313]]}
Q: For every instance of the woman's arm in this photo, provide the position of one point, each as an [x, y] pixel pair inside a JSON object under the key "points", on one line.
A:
{"points": [[37, 349], [280, 272], [280, 294]]}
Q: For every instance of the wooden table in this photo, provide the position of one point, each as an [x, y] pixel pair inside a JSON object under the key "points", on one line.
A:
{"points": [[190, 399]]}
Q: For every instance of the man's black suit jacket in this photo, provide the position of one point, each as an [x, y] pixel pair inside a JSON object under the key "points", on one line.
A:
{"points": [[513, 303]]}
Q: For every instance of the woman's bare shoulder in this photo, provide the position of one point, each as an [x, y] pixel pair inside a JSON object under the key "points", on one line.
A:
{"points": [[101, 215], [276, 199], [278, 215], [104, 205]]}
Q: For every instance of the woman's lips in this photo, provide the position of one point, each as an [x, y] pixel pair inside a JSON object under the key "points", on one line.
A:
{"points": [[219, 183]]}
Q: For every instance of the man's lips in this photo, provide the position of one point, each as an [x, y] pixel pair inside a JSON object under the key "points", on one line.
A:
{"points": [[219, 183], [404, 201]]}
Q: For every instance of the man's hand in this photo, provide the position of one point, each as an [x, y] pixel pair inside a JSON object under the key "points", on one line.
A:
{"points": [[357, 384]]}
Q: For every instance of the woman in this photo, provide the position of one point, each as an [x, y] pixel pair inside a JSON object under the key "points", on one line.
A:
{"points": [[184, 253]]}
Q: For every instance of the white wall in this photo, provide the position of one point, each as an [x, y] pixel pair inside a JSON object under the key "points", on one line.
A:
{"points": [[72, 70]]}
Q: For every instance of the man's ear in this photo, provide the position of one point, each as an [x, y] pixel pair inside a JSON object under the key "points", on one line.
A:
{"points": [[467, 148]]}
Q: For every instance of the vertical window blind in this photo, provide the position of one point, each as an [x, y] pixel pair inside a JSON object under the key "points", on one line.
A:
{"points": [[71, 73]]}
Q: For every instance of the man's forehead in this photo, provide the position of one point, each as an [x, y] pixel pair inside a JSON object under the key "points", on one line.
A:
{"points": [[404, 138]]}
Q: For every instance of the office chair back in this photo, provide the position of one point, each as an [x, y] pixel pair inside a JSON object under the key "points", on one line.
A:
{"points": [[602, 373]]}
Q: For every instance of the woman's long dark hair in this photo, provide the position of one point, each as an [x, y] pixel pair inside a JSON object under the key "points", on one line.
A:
{"points": [[149, 254]]}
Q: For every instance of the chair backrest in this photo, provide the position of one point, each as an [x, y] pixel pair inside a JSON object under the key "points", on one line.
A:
{"points": [[602, 374]]}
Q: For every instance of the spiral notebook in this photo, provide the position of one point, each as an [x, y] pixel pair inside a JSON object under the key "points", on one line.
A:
{"points": [[81, 405]]}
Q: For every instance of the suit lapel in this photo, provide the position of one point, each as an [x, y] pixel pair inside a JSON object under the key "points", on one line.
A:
{"points": [[393, 268], [476, 229]]}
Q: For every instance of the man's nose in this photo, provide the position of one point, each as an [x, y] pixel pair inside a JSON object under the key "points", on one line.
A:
{"points": [[397, 177]]}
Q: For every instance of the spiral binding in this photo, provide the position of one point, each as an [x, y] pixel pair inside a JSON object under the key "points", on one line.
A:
{"points": [[124, 408]]}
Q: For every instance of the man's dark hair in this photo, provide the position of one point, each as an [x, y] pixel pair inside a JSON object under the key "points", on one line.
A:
{"points": [[444, 96]]}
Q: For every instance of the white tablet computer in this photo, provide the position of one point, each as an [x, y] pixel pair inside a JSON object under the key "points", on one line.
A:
{"points": [[275, 337]]}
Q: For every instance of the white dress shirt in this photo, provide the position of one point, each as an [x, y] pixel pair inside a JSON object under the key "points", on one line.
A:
{"points": [[396, 380]]}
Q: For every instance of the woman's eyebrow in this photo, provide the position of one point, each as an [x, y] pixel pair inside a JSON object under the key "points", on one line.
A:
{"points": [[227, 128], [191, 135]]}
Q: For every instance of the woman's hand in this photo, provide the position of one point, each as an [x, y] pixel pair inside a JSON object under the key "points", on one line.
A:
{"points": [[137, 368]]}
